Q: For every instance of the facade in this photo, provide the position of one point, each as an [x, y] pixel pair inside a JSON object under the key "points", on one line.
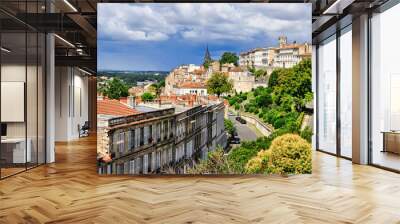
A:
{"points": [[243, 81], [290, 54], [284, 56], [186, 79], [160, 141], [257, 57]]}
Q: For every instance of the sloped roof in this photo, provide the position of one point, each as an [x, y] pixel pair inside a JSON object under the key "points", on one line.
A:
{"points": [[114, 107], [197, 85]]}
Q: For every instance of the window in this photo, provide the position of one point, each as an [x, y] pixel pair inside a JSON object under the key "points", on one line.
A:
{"points": [[327, 95], [385, 89], [346, 92]]}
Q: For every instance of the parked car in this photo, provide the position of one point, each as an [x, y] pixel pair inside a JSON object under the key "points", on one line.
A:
{"points": [[235, 140], [241, 120]]}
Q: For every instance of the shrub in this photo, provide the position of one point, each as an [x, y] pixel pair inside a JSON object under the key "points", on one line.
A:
{"points": [[258, 163], [239, 156], [147, 96], [307, 133], [290, 154], [216, 163], [237, 106]]}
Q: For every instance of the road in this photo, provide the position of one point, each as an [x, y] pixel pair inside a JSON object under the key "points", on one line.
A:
{"points": [[245, 133]]}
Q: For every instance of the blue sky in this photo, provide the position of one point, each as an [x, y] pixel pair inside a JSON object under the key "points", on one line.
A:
{"points": [[134, 36]]}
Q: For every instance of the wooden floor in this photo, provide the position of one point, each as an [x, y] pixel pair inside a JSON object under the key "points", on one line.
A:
{"points": [[70, 191]]}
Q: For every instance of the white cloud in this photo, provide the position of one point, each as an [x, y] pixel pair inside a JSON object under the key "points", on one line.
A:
{"points": [[203, 22]]}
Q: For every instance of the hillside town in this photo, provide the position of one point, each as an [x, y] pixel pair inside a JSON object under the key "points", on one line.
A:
{"points": [[169, 126]]}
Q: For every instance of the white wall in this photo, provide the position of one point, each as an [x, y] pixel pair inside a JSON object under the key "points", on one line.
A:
{"points": [[71, 102]]}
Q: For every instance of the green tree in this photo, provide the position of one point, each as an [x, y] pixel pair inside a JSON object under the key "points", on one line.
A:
{"points": [[229, 57], [260, 73], [147, 96], [115, 88], [157, 87], [229, 126], [219, 84]]}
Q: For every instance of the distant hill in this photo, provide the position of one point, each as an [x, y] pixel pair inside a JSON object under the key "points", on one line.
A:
{"points": [[132, 77]]}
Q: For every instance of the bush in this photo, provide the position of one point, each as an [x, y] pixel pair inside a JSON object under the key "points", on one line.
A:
{"points": [[288, 154], [216, 163], [237, 106], [260, 163], [307, 133], [147, 96], [239, 156]]}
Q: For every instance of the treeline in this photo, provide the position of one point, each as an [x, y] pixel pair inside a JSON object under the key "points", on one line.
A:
{"points": [[132, 77]]}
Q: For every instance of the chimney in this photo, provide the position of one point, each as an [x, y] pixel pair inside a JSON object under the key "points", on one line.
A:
{"points": [[131, 101]]}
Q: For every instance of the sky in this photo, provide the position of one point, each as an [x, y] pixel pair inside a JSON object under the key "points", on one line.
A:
{"points": [[160, 37]]}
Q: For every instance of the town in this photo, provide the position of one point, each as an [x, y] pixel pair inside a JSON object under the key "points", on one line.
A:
{"points": [[171, 125]]}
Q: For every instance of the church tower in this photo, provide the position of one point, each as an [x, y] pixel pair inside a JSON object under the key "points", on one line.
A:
{"points": [[207, 56]]}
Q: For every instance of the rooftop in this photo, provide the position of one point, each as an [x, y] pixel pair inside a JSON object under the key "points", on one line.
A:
{"points": [[114, 108]]}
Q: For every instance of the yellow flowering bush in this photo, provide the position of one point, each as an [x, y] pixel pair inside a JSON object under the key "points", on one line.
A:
{"points": [[288, 154]]}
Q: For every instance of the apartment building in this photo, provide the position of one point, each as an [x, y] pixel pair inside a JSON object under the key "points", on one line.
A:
{"points": [[160, 140], [257, 57], [284, 56]]}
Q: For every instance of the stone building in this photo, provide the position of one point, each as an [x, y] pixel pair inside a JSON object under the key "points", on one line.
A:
{"points": [[163, 140]]}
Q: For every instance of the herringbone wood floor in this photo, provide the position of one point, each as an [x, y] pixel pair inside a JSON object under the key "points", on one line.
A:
{"points": [[70, 191]]}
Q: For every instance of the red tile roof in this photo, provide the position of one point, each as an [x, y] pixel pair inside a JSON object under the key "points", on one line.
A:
{"points": [[114, 107], [193, 85]]}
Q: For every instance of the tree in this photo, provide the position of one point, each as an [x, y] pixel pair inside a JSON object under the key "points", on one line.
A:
{"points": [[157, 87], [219, 84], [229, 57], [115, 88], [229, 127], [147, 96], [260, 73]]}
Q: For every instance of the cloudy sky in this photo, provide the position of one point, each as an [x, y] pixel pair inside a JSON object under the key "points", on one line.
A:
{"points": [[151, 36]]}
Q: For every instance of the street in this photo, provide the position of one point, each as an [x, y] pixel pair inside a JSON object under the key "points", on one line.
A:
{"points": [[245, 133]]}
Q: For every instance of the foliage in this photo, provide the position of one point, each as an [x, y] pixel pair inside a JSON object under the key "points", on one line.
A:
{"points": [[147, 96], [216, 163], [307, 133], [283, 101], [260, 73], [239, 156], [132, 77], [288, 154], [229, 126], [259, 163], [115, 88], [229, 57], [219, 84], [207, 64], [157, 87]]}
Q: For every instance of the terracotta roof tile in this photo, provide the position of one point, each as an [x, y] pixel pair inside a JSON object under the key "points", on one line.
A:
{"points": [[197, 85], [114, 107]]}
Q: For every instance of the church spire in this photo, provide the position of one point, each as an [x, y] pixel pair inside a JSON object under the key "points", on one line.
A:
{"points": [[207, 56]]}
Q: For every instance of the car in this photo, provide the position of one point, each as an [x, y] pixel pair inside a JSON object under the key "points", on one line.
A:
{"points": [[241, 120], [235, 140]]}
